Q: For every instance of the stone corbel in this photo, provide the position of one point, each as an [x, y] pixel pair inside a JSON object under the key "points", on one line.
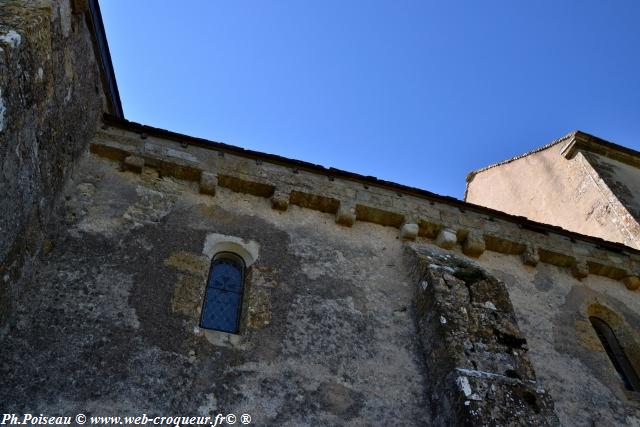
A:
{"points": [[530, 256], [473, 244], [580, 269], [280, 199], [208, 183], [346, 214], [446, 238]]}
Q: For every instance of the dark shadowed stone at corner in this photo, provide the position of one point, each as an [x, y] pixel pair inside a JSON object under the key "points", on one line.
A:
{"points": [[475, 355], [47, 117]]}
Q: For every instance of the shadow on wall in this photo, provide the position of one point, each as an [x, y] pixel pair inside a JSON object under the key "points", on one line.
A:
{"points": [[603, 338]]}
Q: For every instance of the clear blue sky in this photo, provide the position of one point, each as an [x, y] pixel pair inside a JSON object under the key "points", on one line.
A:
{"points": [[417, 92]]}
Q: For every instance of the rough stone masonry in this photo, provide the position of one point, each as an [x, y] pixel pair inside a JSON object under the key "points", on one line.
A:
{"points": [[365, 302]]}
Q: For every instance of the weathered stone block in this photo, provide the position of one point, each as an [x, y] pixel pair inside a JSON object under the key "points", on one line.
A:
{"points": [[504, 244], [134, 164], [556, 256], [475, 355], [580, 270], [259, 306], [482, 393], [376, 215], [208, 183], [280, 200], [316, 202], [446, 238], [187, 296], [409, 231], [346, 214], [530, 256], [429, 227], [473, 245], [246, 184], [631, 282]]}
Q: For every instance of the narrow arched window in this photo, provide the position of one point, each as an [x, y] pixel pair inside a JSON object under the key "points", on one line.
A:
{"points": [[222, 304], [616, 353]]}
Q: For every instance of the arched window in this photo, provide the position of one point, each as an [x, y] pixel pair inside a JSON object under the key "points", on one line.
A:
{"points": [[616, 353], [222, 304]]}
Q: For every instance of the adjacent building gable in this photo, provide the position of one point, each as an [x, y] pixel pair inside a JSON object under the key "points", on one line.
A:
{"points": [[579, 182]]}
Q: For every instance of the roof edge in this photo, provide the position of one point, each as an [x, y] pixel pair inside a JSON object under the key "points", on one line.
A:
{"points": [[103, 55], [471, 175], [577, 140], [569, 136], [585, 142]]}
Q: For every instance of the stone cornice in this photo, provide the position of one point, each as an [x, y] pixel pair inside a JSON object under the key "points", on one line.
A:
{"points": [[448, 222], [583, 142]]}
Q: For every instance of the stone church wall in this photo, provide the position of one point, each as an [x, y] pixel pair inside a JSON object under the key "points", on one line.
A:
{"points": [[331, 328], [50, 102], [366, 302], [553, 310], [327, 334]]}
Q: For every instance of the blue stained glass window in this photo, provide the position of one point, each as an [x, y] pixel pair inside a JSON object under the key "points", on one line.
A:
{"points": [[223, 298]]}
